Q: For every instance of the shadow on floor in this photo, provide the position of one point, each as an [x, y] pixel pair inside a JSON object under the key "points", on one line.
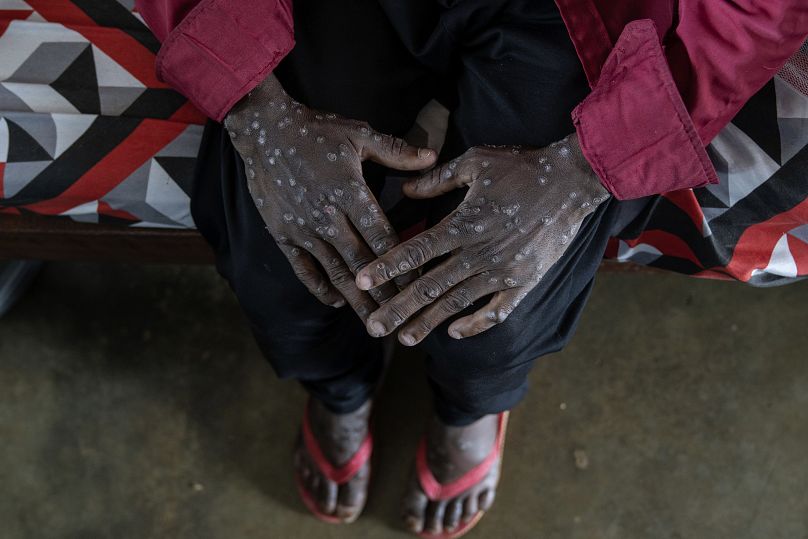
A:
{"points": [[133, 403]]}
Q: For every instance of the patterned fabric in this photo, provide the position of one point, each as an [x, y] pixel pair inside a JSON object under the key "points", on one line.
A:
{"points": [[753, 225], [87, 131]]}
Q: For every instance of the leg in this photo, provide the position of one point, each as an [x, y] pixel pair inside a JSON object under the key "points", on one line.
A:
{"points": [[524, 100], [346, 61]]}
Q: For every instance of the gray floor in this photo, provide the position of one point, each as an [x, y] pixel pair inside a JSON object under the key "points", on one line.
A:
{"points": [[133, 404]]}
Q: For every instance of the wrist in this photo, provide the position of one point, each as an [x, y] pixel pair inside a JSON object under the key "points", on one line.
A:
{"points": [[586, 174], [268, 93]]}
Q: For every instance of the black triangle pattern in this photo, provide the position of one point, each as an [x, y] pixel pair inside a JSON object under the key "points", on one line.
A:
{"points": [[79, 83], [758, 119], [181, 170], [23, 147]]}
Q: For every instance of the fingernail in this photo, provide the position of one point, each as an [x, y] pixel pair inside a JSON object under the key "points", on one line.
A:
{"points": [[455, 334], [376, 329], [339, 303], [407, 340], [424, 153], [363, 282]]}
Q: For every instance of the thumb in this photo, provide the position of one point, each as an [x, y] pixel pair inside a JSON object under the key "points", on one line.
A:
{"points": [[393, 152], [437, 181]]}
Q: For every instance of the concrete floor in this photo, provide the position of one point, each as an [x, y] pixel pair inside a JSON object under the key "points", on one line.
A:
{"points": [[134, 404]]}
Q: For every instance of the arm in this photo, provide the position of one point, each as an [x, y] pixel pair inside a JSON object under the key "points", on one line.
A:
{"points": [[302, 167], [215, 51], [664, 105]]}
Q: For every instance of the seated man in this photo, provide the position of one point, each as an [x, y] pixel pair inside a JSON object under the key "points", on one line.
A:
{"points": [[561, 121]]}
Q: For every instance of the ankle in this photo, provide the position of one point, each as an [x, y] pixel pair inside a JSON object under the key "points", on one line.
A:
{"points": [[452, 450]]}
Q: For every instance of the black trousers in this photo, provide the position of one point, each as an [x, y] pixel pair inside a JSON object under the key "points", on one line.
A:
{"points": [[509, 75]]}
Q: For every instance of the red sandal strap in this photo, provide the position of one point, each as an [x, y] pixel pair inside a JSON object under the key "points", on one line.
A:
{"points": [[347, 471], [444, 491]]}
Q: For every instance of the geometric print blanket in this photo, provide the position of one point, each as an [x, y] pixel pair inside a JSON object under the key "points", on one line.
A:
{"points": [[87, 132]]}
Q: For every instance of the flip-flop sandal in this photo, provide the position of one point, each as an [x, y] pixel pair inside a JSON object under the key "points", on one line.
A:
{"points": [[339, 475], [437, 491]]}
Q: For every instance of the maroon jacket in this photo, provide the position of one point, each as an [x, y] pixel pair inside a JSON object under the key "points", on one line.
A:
{"points": [[666, 75]]}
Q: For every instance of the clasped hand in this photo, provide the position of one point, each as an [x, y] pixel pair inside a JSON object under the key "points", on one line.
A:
{"points": [[304, 173], [522, 209]]}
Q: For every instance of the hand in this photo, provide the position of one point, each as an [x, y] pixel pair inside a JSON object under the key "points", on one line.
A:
{"points": [[304, 173], [522, 210]]}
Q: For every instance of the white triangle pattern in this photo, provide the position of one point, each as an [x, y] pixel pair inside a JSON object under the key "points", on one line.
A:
{"points": [[22, 38], [166, 197], [625, 253], [3, 140], [749, 166], [109, 73], [69, 127], [782, 262]]}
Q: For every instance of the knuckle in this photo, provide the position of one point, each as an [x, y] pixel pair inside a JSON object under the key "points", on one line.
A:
{"points": [[423, 326], [418, 251], [456, 301], [502, 312], [331, 264], [396, 145], [340, 276], [394, 314], [377, 235], [377, 294], [357, 263], [426, 290], [317, 286], [383, 244]]}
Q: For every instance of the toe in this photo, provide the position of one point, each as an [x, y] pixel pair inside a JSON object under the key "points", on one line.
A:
{"points": [[434, 516], [470, 508], [351, 496], [453, 513], [487, 499], [308, 483], [414, 510], [305, 470], [327, 496]]}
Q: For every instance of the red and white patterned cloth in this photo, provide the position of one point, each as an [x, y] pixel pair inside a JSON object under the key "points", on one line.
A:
{"points": [[87, 131]]}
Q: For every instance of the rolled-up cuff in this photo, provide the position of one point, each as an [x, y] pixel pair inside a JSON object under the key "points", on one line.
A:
{"points": [[634, 128], [223, 49]]}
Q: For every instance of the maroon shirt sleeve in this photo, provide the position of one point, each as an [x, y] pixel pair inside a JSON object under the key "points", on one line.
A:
{"points": [[215, 51], [651, 112]]}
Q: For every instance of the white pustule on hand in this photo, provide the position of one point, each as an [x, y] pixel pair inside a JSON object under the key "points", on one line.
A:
{"points": [[303, 171], [522, 210]]}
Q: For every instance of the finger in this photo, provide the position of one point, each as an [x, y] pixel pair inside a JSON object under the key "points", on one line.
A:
{"points": [[371, 222], [307, 273], [343, 280], [411, 254], [447, 177], [420, 293], [391, 151], [452, 302], [353, 250], [495, 312]]}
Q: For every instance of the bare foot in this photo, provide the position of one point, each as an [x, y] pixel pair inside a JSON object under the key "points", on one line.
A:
{"points": [[339, 437], [451, 452]]}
